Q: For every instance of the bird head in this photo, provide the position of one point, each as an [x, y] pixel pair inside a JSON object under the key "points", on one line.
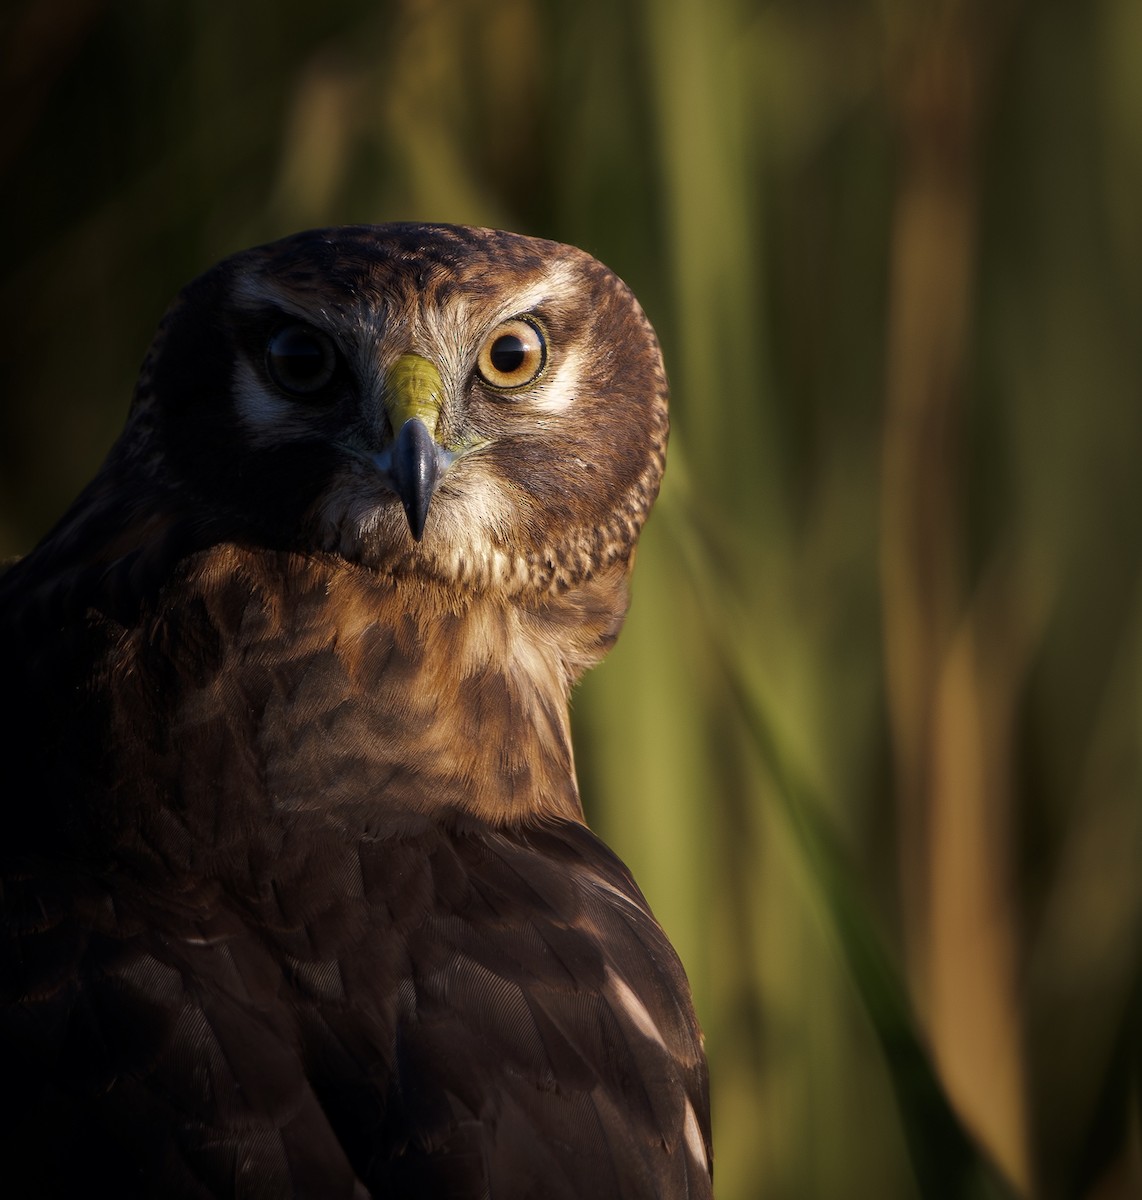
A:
{"points": [[475, 407]]}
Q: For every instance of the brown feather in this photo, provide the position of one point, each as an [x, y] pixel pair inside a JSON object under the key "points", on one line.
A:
{"points": [[297, 895]]}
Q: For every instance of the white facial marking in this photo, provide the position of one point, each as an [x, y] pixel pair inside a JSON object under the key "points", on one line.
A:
{"points": [[270, 418], [253, 293], [556, 393], [559, 278]]}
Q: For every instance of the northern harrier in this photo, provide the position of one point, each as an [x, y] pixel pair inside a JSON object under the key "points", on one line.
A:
{"points": [[298, 897]]}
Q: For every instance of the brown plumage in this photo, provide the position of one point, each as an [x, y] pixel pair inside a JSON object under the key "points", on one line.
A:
{"points": [[298, 897]]}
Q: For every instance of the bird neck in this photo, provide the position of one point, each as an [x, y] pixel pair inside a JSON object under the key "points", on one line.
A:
{"points": [[391, 698]]}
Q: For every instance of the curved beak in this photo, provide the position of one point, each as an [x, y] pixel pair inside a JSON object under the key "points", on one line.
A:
{"points": [[414, 461]]}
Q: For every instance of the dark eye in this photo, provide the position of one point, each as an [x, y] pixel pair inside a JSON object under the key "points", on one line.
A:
{"points": [[300, 360], [513, 354]]}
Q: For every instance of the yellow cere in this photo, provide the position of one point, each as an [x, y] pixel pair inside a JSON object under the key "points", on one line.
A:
{"points": [[413, 388]]}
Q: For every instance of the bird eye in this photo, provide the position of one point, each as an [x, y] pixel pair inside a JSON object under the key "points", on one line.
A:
{"points": [[300, 359], [513, 355]]}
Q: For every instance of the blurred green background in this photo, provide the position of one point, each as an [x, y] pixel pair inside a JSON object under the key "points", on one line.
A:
{"points": [[871, 740]]}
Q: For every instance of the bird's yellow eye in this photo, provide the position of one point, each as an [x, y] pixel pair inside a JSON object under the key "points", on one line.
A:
{"points": [[513, 355], [300, 360]]}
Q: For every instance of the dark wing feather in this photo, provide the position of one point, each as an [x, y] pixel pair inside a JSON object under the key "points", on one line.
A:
{"points": [[150, 1054], [476, 1014], [540, 1022]]}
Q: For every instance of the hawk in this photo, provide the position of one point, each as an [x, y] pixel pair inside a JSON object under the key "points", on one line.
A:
{"points": [[298, 895]]}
